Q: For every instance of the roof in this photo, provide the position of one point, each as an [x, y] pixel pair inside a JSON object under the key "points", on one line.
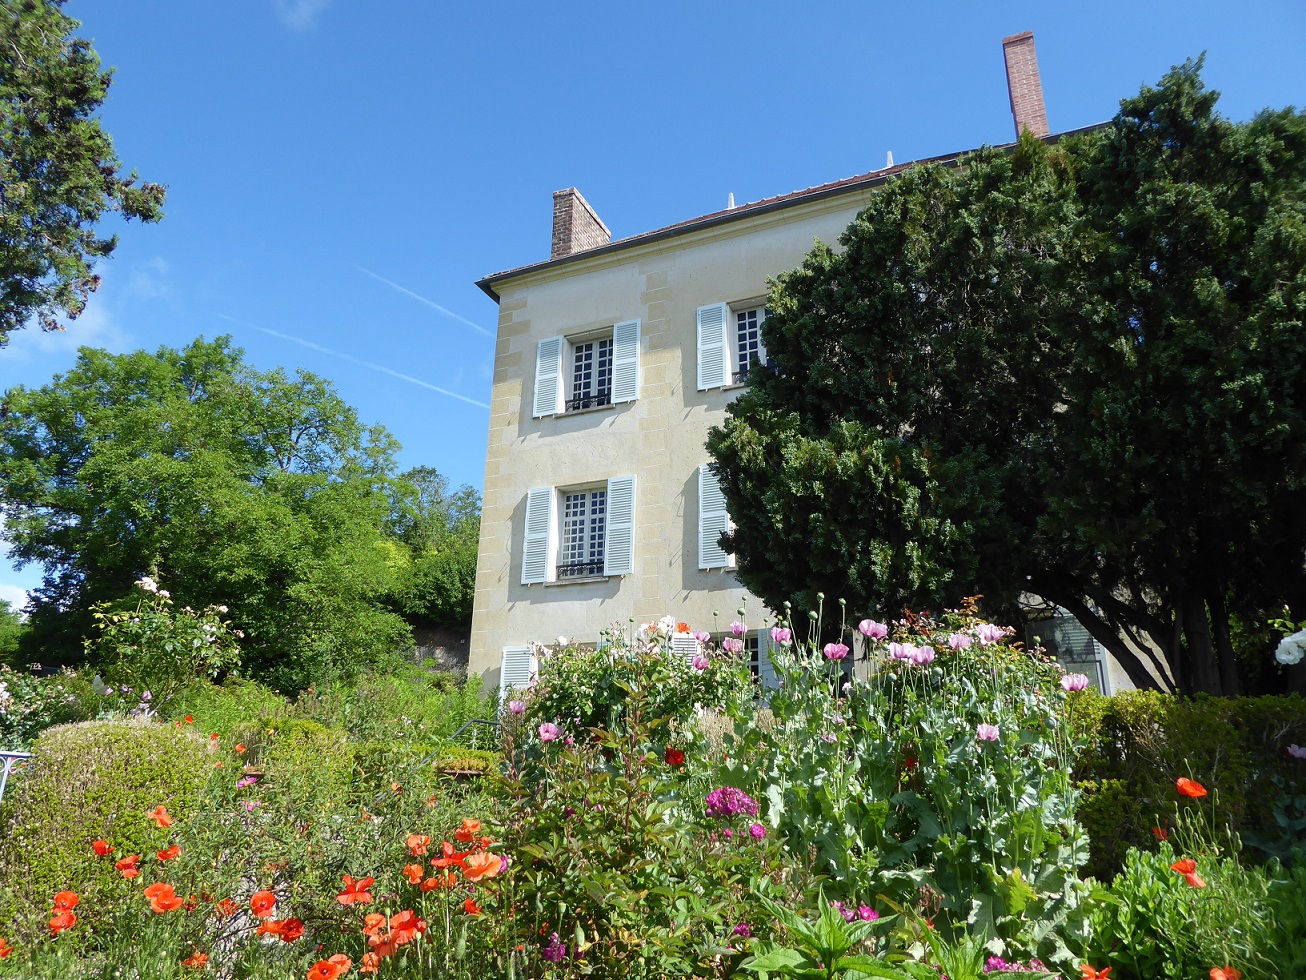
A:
{"points": [[820, 191]]}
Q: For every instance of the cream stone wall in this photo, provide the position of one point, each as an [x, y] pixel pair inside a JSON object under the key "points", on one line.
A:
{"points": [[659, 437]]}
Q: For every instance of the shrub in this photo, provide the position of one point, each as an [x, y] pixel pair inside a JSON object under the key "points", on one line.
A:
{"points": [[89, 781], [308, 767], [221, 707], [30, 703]]}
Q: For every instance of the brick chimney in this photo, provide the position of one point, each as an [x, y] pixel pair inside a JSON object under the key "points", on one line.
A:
{"points": [[576, 228], [1024, 85]]}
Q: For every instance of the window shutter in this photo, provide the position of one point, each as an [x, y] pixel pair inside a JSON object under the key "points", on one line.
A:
{"points": [[713, 362], [619, 548], [713, 521], [536, 546], [548, 377], [684, 645], [766, 676], [625, 362], [516, 669]]}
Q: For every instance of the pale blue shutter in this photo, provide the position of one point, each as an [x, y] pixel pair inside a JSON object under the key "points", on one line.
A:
{"points": [[548, 377], [516, 669], [766, 675], [537, 544], [713, 521], [684, 645], [625, 361], [619, 548], [713, 359]]}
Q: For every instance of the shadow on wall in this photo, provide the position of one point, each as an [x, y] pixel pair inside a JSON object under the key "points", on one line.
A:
{"points": [[448, 649]]}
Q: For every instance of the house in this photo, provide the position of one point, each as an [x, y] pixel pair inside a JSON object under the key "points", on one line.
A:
{"points": [[613, 360]]}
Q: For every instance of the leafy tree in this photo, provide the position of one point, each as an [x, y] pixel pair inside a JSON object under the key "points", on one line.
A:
{"points": [[1074, 370], [436, 579], [11, 631], [230, 485], [58, 170]]}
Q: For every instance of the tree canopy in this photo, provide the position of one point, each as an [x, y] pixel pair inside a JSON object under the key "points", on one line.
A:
{"points": [[58, 170], [231, 485], [1075, 370]]}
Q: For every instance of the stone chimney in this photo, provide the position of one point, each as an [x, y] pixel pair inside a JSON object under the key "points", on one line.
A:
{"points": [[1024, 86], [576, 228]]}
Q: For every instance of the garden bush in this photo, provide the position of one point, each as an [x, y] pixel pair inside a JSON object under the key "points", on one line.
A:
{"points": [[221, 707], [90, 781], [1138, 741], [31, 703], [309, 767]]}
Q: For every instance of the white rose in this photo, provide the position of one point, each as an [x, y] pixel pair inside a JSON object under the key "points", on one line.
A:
{"points": [[1291, 649]]}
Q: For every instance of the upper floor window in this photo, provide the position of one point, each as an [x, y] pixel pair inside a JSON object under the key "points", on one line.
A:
{"points": [[587, 371], [729, 343]]}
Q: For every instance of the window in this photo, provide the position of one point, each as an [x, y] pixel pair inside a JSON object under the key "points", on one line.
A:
{"points": [[1072, 645], [587, 371], [584, 523], [579, 532], [729, 343]]}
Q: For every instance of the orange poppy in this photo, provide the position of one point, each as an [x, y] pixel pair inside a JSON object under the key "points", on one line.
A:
{"points": [[371, 963], [196, 961], [481, 865], [262, 903], [5, 949], [169, 853], [240, 749], [163, 898], [325, 970], [373, 923], [287, 930], [405, 927], [101, 847], [413, 872], [61, 921], [1225, 973], [1092, 974], [447, 880], [190, 720], [450, 857], [468, 831], [417, 844], [127, 866], [471, 908], [65, 901], [226, 908], [1188, 868], [355, 891], [160, 816], [342, 961], [1189, 787]]}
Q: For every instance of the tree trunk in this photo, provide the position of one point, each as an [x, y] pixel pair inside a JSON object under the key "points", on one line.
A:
{"points": [[1224, 647], [1203, 672], [1108, 636]]}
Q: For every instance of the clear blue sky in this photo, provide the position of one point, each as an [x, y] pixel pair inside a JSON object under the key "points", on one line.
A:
{"points": [[340, 173]]}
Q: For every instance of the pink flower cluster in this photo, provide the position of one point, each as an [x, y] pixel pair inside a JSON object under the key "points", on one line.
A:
{"points": [[863, 912], [726, 802], [910, 653]]}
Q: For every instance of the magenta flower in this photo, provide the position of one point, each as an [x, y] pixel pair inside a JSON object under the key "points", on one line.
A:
{"points": [[835, 651], [921, 656], [246, 782], [873, 630], [699, 663], [732, 645], [866, 913], [744, 930], [987, 733], [549, 731], [737, 628], [702, 636], [1074, 682], [988, 633], [781, 634], [901, 651], [958, 641], [556, 951], [727, 802], [517, 707], [757, 831]]}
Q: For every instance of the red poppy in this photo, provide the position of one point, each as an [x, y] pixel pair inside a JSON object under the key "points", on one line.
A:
{"points": [[355, 891], [1225, 973], [406, 926], [240, 748], [417, 844], [127, 866], [101, 847], [196, 961], [190, 720], [373, 923], [61, 921], [169, 853], [481, 865], [226, 908], [471, 908], [414, 873], [450, 856], [1160, 833], [287, 930], [468, 831], [1188, 868], [1188, 787], [371, 963], [5, 949], [325, 970], [65, 901], [163, 898], [1092, 974], [160, 816], [910, 763], [214, 737], [673, 756], [262, 903]]}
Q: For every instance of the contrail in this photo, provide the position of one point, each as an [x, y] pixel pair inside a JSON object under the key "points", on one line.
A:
{"points": [[422, 299], [356, 360]]}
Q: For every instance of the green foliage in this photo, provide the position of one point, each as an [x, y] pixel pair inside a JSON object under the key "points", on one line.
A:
{"points": [[1285, 937], [89, 781], [822, 949], [883, 779], [441, 530], [57, 167], [220, 708], [31, 703], [307, 767], [150, 647], [11, 631], [236, 486], [1139, 742], [935, 391]]}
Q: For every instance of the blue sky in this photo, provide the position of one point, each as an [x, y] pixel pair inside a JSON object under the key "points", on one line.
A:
{"points": [[341, 173]]}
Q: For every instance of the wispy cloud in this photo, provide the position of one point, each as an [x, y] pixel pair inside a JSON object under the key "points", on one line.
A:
{"points": [[299, 15], [355, 360], [15, 596], [422, 299], [96, 327]]}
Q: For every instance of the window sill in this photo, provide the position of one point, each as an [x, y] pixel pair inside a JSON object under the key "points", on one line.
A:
{"points": [[578, 579], [586, 411]]}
